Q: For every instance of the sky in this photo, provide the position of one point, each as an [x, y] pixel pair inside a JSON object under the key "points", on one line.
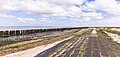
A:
{"points": [[83, 13]]}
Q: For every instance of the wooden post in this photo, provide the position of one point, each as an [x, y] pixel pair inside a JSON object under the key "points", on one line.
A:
{"points": [[1, 33]]}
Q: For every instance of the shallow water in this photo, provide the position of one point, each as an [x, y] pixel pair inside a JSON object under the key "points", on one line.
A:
{"points": [[4, 28]]}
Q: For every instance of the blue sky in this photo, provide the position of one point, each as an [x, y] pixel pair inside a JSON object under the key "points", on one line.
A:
{"points": [[60, 13]]}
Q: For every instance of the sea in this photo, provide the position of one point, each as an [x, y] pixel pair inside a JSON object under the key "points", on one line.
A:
{"points": [[4, 28]]}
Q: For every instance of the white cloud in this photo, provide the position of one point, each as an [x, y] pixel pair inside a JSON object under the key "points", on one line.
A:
{"points": [[87, 19], [52, 7], [110, 6], [45, 20], [66, 2], [74, 10], [25, 19], [6, 17], [113, 20], [38, 6], [93, 15], [61, 9], [8, 5]]}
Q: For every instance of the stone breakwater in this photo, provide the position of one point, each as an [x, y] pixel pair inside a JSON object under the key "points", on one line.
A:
{"points": [[37, 35]]}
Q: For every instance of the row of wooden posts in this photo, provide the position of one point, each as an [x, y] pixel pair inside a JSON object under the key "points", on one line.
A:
{"points": [[30, 31]]}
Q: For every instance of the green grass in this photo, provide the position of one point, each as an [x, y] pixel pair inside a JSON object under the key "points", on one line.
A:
{"points": [[83, 48], [9, 42], [106, 38], [7, 49], [15, 47], [4, 36], [6, 43], [12, 42], [102, 34], [113, 31], [71, 41]]}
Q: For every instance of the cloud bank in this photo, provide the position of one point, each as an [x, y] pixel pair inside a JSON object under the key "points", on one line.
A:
{"points": [[60, 13]]}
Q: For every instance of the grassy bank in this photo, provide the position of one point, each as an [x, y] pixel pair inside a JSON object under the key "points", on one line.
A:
{"points": [[20, 46], [102, 34], [105, 37], [3, 43], [4, 36], [64, 46], [70, 43], [113, 31], [8, 42]]}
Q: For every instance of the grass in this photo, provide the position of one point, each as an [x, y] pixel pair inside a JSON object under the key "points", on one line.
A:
{"points": [[102, 34], [11, 42], [83, 48], [12, 47], [17, 41], [71, 41], [4, 36], [15, 46], [8, 42], [113, 31], [109, 40], [58, 50]]}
